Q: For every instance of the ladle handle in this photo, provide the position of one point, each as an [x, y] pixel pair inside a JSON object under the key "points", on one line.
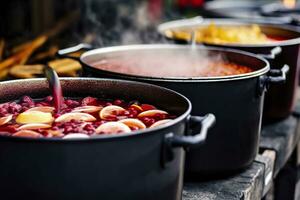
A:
{"points": [[55, 87], [64, 53]]}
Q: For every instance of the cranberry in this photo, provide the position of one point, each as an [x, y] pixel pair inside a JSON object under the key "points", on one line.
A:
{"points": [[118, 102], [89, 127], [134, 128], [126, 112], [89, 101], [72, 103], [48, 99], [55, 128], [28, 101], [56, 115], [146, 107], [108, 104]]}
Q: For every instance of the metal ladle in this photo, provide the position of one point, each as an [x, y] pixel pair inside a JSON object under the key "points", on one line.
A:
{"points": [[55, 87]]}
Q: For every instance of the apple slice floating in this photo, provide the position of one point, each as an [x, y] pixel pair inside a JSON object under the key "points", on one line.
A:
{"points": [[133, 123], [27, 133], [160, 122], [34, 126], [112, 128], [87, 109], [46, 109], [75, 116], [151, 113], [5, 120], [109, 111]]}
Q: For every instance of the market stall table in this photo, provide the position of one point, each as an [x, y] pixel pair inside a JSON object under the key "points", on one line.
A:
{"points": [[278, 142]]}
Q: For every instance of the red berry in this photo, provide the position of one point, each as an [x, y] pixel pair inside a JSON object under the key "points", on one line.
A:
{"points": [[146, 107], [89, 101]]}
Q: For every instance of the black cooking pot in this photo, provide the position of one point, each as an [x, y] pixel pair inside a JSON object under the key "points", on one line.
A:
{"points": [[237, 101], [280, 100], [145, 164]]}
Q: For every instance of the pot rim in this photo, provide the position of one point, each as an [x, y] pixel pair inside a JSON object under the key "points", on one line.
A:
{"points": [[126, 48], [181, 23], [138, 133]]}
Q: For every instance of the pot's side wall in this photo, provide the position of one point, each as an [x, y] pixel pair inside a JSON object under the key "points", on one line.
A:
{"points": [[232, 143], [281, 98], [121, 169]]}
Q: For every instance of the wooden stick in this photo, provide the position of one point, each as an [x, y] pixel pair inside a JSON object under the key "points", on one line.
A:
{"points": [[2, 46], [3, 73], [57, 29], [34, 45], [22, 57]]}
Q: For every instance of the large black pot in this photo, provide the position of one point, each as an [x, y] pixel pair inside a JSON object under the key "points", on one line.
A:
{"points": [[237, 101], [145, 164], [280, 100]]}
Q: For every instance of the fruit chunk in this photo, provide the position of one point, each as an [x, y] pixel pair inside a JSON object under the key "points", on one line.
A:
{"points": [[151, 113], [5, 120], [112, 127], [109, 111], [133, 123], [76, 136], [33, 126], [160, 122], [27, 133], [42, 109], [75, 116], [87, 109], [137, 107], [32, 117]]}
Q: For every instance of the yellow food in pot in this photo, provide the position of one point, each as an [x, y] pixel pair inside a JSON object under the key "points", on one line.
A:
{"points": [[213, 34]]}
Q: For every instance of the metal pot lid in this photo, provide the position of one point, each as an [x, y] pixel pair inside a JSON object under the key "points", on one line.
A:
{"points": [[90, 57]]}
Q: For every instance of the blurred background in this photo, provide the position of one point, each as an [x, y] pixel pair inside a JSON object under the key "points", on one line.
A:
{"points": [[110, 22]]}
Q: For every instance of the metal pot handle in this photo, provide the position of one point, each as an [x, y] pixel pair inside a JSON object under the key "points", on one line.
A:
{"points": [[63, 53], [173, 141], [274, 76], [274, 52], [205, 122]]}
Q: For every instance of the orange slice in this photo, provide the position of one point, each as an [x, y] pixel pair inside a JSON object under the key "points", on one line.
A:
{"points": [[75, 116], [113, 128]]}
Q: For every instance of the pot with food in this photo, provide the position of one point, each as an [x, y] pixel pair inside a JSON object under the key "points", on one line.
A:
{"points": [[111, 139], [229, 83], [255, 37]]}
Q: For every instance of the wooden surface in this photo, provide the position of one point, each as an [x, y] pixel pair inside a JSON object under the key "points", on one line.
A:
{"points": [[278, 141]]}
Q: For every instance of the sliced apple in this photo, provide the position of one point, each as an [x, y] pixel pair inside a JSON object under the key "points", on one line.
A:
{"points": [[108, 111], [46, 109], [112, 127], [5, 120], [76, 136], [160, 122], [27, 133], [151, 113], [34, 126], [34, 117], [75, 116], [133, 123], [87, 109]]}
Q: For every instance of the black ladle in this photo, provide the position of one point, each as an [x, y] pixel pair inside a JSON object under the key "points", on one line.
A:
{"points": [[55, 87]]}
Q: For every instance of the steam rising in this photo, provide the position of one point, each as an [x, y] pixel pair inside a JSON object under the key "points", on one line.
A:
{"points": [[163, 63], [123, 24]]}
